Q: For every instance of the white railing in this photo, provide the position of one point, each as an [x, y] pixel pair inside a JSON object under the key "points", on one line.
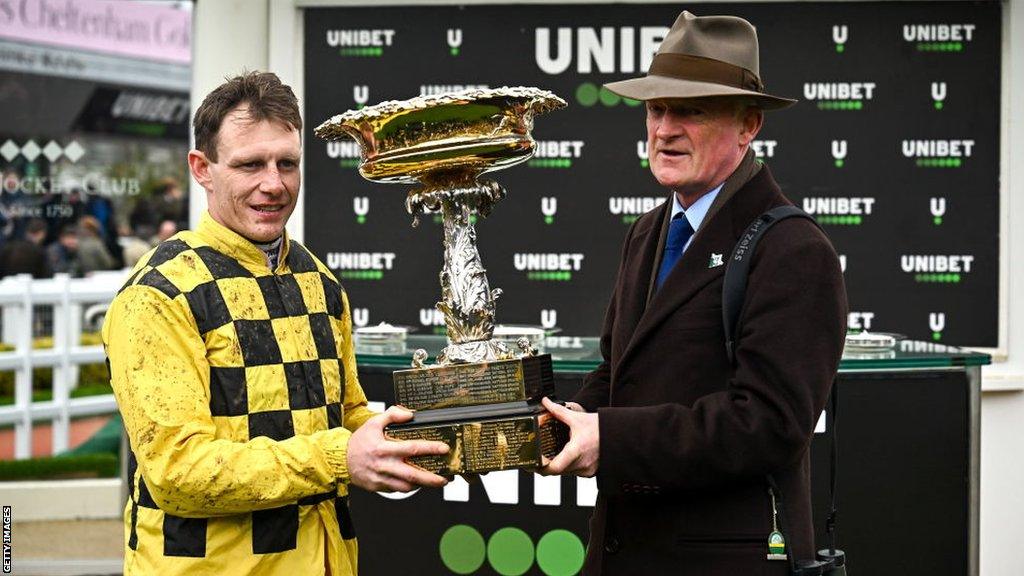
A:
{"points": [[68, 298]]}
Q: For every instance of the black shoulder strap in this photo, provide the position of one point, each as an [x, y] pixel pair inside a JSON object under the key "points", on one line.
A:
{"points": [[734, 290]]}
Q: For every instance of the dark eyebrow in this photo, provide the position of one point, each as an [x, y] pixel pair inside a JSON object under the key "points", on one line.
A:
{"points": [[245, 160]]}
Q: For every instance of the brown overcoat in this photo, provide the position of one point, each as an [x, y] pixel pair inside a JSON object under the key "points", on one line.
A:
{"points": [[686, 439]]}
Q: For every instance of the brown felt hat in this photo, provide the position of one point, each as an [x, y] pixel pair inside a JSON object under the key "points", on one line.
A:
{"points": [[704, 56]]}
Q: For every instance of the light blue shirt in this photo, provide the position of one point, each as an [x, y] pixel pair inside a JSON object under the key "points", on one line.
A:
{"points": [[695, 214]]}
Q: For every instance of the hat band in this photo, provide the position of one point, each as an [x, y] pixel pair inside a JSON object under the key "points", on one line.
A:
{"points": [[697, 68]]}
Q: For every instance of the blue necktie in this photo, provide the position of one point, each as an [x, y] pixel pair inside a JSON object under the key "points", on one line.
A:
{"points": [[679, 231]]}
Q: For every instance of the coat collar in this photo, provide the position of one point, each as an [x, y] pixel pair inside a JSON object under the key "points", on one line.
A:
{"points": [[228, 242]]}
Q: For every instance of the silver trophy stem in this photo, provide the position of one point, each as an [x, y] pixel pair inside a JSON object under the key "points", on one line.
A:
{"points": [[466, 298], [468, 302]]}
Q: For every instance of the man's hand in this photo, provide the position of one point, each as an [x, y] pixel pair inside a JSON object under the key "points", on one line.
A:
{"points": [[377, 463], [580, 455]]}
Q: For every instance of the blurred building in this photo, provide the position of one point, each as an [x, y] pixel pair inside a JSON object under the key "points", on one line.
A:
{"points": [[95, 95]]}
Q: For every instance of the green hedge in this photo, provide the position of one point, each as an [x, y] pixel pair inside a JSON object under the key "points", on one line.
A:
{"points": [[60, 467]]}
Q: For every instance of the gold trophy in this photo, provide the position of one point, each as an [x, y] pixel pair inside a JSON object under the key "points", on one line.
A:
{"points": [[482, 397]]}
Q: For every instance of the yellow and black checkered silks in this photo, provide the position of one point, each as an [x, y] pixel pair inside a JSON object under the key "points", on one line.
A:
{"points": [[238, 389]]}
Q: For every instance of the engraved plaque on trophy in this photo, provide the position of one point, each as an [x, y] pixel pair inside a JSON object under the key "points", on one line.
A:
{"points": [[482, 397]]}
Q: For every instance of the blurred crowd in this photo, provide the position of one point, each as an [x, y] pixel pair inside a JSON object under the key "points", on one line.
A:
{"points": [[79, 233]]}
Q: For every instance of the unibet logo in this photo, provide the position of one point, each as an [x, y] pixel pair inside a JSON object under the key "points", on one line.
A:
{"points": [[839, 95], [840, 34], [938, 153], [549, 207], [563, 342], [939, 37], [841, 211], [361, 206], [939, 90], [607, 50], [860, 320], [548, 266], [360, 42], [431, 89], [511, 551], [938, 268], [839, 149], [360, 317], [548, 318], [842, 263], [642, 153], [921, 346], [454, 37], [434, 318], [361, 265], [346, 151], [764, 148], [503, 488], [632, 207], [938, 209], [150, 108], [937, 322], [555, 153], [361, 94]]}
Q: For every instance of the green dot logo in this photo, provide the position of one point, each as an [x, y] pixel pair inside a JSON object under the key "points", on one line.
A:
{"points": [[587, 94], [560, 553], [462, 549], [609, 98], [937, 220], [839, 163], [510, 552], [936, 336]]}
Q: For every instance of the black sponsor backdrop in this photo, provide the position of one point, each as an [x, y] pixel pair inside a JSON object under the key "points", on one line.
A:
{"points": [[499, 47]]}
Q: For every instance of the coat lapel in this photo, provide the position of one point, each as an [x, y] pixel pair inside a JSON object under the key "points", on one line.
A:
{"points": [[640, 259]]}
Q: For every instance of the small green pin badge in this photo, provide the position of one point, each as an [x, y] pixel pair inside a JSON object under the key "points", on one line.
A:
{"points": [[776, 546]]}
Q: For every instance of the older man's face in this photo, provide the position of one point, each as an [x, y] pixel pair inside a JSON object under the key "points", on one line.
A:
{"points": [[695, 143]]}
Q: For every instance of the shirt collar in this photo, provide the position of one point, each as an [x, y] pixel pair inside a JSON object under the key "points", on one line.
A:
{"points": [[698, 210], [227, 241]]}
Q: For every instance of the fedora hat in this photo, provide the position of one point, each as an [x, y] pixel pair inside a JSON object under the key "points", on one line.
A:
{"points": [[704, 56]]}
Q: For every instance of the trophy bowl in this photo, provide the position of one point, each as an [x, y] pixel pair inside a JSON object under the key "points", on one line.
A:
{"points": [[472, 131]]}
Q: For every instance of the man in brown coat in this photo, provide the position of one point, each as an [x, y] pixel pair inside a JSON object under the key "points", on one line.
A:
{"points": [[681, 440]]}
